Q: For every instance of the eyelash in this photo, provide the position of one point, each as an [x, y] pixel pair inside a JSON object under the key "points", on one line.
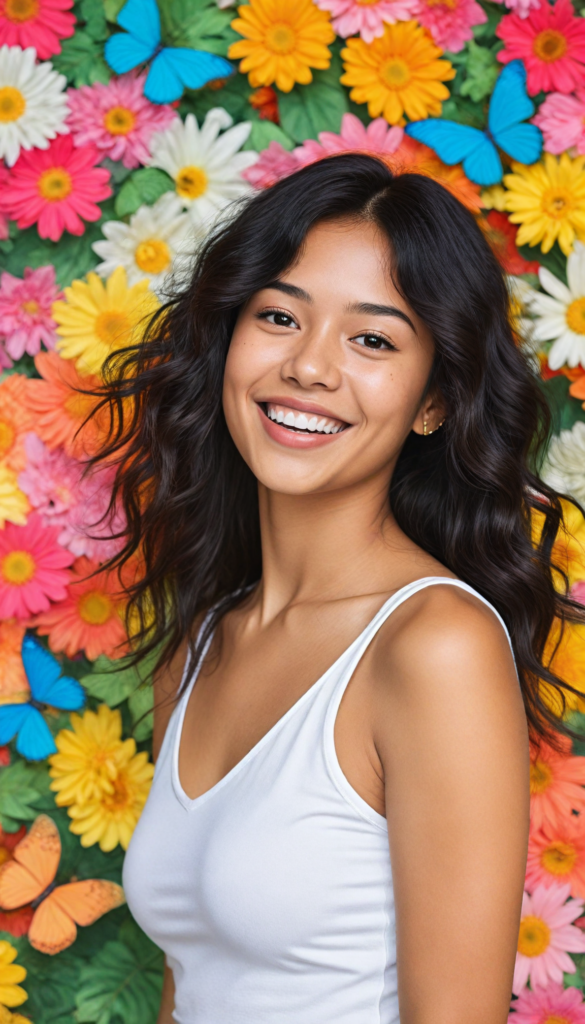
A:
{"points": [[265, 313]]}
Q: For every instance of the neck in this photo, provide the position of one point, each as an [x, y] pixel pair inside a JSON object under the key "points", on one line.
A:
{"points": [[326, 546]]}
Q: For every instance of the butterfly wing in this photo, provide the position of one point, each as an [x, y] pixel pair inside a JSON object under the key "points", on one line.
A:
{"points": [[12, 718], [175, 68], [34, 740], [523, 142], [35, 863], [52, 929], [86, 901], [459, 143], [510, 103], [125, 50], [46, 682]]}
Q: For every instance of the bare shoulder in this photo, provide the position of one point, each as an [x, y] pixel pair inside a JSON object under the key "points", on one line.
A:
{"points": [[443, 661]]}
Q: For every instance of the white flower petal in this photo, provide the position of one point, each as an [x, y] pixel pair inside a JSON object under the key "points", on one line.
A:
{"points": [[553, 286]]}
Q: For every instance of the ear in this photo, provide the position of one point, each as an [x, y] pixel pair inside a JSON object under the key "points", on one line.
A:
{"points": [[432, 413]]}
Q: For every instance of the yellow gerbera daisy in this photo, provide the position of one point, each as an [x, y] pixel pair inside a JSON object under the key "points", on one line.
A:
{"points": [[548, 201], [494, 198], [11, 994], [14, 506], [569, 548], [110, 818], [96, 318], [398, 73], [6, 1017], [89, 756], [284, 39], [568, 663]]}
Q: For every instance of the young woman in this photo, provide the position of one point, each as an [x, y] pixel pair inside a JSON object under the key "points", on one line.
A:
{"points": [[326, 475]]}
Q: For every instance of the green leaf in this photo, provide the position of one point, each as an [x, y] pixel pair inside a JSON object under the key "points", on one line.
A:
{"points": [[120, 984], [140, 704], [51, 982], [554, 260], [92, 12], [265, 132], [81, 60], [18, 794], [481, 72], [143, 186], [565, 409], [114, 681], [112, 9], [199, 24], [310, 109]]}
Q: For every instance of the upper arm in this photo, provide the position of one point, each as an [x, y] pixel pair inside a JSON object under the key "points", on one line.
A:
{"points": [[165, 686], [452, 738]]}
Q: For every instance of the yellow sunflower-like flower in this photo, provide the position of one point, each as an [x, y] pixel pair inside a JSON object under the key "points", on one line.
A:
{"points": [[89, 756], [284, 39], [110, 818], [548, 201], [97, 319], [398, 73], [568, 551], [494, 198], [568, 662], [6, 1017], [11, 994], [14, 506]]}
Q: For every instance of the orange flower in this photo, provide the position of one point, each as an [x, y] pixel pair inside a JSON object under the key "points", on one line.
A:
{"points": [[15, 421], [90, 619], [568, 551], [60, 410], [577, 389], [557, 856], [13, 682], [413, 157], [557, 781]]}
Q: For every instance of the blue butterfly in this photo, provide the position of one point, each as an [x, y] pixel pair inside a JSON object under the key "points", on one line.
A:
{"points": [[173, 67], [47, 686], [509, 107]]}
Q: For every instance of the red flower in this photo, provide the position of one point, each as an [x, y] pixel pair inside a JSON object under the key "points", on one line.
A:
{"points": [[551, 42], [501, 235], [38, 23], [265, 101]]}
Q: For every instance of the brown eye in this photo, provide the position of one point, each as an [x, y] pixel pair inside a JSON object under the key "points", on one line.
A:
{"points": [[373, 341], [277, 317]]}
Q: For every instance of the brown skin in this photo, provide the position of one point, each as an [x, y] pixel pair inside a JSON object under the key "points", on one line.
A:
{"points": [[431, 731]]}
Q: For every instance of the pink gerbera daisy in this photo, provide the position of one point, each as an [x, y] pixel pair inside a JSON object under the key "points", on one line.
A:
{"points": [[377, 138], [578, 591], [352, 16], [557, 783], [78, 504], [546, 1005], [521, 7], [557, 855], [38, 23], [449, 21], [56, 187], [561, 120], [33, 569], [546, 937], [551, 42], [25, 311], [274, 163], [117, 118]]}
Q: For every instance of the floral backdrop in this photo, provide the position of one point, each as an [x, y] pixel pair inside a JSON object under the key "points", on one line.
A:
{"points": [[124, 130]]}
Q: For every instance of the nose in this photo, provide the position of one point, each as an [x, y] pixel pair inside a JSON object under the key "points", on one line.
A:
{"points": [[315, 361]]}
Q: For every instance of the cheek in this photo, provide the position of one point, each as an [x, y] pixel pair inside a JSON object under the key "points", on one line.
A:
{"points": [[391, 396]]}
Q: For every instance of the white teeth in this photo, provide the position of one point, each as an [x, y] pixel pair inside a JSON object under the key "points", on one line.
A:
{"points": [[302, 422]]}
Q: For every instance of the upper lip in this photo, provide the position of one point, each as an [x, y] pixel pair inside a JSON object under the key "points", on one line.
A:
{"points": [[301, 406]]}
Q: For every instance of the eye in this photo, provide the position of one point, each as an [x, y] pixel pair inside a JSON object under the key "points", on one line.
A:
{"points": [[278, 317], [374, 341]]}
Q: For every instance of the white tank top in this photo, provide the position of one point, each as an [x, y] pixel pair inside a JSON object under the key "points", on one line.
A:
{"points": [[271, 894]]}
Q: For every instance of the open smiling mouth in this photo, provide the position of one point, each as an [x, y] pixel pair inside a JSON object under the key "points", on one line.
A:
{"points": [[301, 422]]}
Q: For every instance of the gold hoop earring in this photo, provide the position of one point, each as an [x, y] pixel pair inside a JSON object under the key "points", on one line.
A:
{"points": [[427, 432]]}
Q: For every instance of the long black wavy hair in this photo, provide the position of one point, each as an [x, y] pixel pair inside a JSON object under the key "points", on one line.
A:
{"points": [[465, 494]]}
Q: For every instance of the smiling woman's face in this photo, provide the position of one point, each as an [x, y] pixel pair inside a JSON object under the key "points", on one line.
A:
{"points": [[327, 367]]}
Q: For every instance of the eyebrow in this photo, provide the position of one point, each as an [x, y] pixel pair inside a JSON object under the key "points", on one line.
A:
{"points": [[373, 309], [290, 289]]}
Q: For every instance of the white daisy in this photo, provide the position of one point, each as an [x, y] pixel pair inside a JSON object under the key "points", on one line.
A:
{"points": [[33, 106], [564, 467], [205, 166], [561, 314], [156, 244]]}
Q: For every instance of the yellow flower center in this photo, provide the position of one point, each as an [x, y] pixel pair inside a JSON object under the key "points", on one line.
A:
{"points": [[79, 406], [111, 326], [4, 855], [534, 937], [152, 256], [191, 182], [280, 38], [559, 858], [549, 45], [55, 184], [18, 567], [31, 307], [7, 436], [119, 120], [395, 73], [367, 3], [95, 607], [20, 10], [557, 203], [556, 1020], [119, 799], [540, 776], [451, 4], [575, 316], [12, 104]]}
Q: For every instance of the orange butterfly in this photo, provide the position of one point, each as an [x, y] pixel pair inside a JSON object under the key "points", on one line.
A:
{"points": [[30, 878]]}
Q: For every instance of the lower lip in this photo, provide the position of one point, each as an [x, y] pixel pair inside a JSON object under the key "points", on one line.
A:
{"points": [[291, 438]]}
